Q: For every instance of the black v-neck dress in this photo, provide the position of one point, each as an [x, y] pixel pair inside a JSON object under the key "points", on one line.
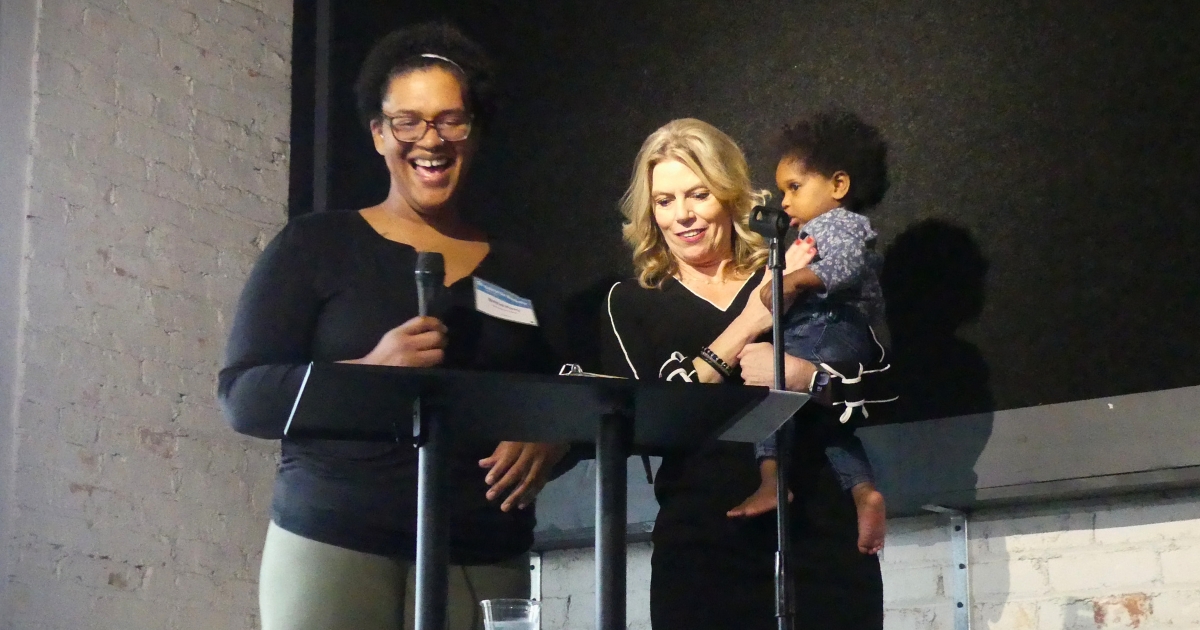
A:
{"points": [[326, 289], [711, 571]]}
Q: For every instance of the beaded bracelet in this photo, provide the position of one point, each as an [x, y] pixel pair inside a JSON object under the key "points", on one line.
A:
{"points": [[717, 363]]}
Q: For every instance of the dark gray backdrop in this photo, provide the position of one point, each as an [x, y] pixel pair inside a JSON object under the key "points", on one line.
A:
{"points": [[1044, 219]]}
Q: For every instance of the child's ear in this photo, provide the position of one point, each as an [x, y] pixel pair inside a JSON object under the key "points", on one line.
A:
{"points": [[841, 184]]}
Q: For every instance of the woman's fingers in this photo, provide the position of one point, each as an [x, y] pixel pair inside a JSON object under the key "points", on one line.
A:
{"points": [[427, 340], [757, 362], [512, 476], [417, 342], [524, 494], [500, 460], [526, 465], [419, 325]]}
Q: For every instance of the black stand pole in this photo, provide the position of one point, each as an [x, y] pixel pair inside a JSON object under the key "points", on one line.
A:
{"points": [[783, 443], [433, 550], [612, 451]]}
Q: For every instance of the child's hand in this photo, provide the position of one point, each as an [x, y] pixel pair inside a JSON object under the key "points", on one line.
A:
{"points": [[798, 256]]}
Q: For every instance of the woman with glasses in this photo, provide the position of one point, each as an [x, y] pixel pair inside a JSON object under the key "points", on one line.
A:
{"points": [[339, 286]]}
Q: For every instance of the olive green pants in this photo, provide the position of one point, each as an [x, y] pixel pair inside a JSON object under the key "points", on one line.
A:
{"points": [[308, 585]]}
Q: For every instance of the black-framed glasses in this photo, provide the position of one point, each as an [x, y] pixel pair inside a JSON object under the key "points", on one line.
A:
{"points": [[450, 126]]}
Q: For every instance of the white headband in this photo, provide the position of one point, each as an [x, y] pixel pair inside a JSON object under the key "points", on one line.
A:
{"points": [[446, 59]]}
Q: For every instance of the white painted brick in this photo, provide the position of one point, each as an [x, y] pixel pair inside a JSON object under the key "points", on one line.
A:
{"points": [[250, 206], [167, 16], [176, 116], [1147, 523], [1182, 566], [214, 129], [151, 143], [116, 32], [66, 40], [240, 16], [279, 9], [134, 97], [53, 144], [1006, 616], [178, 185], [102, 157], [274, 64], [919, 618], [233, 42], [999, 578], [182, 22], [151, 509], [136, 613], [1102, 570], [92, 120], [228, 105], [1035, 534], [202, 9], [65, 14], [913, 583], [76, 79], [201, 64], [152, 72], [1179, 607], [916, 540]]}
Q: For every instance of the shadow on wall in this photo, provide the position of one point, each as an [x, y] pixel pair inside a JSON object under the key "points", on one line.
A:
{"points": [[933, 278]]}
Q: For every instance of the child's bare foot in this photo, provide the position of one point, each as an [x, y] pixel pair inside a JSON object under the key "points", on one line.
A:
{"points": [[872, 517], [762, 501], [765, 498]]}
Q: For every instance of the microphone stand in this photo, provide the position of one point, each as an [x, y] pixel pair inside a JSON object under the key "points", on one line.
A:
{"points": [[783, 444], [774, 224], [433, 538]]}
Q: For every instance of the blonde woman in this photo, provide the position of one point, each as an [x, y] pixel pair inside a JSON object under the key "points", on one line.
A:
{"points": [[689, 316]]}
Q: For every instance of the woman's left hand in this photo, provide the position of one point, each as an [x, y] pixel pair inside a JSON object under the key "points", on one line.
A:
{"points": [[758, 368], [526, 464]]}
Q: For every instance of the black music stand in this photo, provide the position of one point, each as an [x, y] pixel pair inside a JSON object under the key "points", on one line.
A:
{"points": [[358, 402]]}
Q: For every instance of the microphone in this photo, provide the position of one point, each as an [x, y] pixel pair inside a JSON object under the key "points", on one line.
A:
{"points": [[430, 274], [770, 222]]}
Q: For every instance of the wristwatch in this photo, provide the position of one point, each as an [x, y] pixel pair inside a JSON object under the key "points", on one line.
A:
{"points": [[820, 381]]}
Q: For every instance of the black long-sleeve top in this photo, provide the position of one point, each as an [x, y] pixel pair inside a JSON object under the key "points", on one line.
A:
{"points": [[655, 334], [327, 288]]}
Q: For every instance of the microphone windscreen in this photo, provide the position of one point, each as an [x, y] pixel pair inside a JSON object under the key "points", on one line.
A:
{"points": [[430, 273], [431, 265]]}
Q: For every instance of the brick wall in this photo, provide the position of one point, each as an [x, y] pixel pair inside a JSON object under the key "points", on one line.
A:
{"points": [[1130, 562], [158, 170]]}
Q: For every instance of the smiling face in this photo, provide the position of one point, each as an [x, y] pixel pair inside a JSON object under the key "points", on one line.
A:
{"points": [[808, 194], [426, 172], [695, 225]]}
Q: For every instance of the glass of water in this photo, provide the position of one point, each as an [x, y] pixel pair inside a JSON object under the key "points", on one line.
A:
{"points": [[510, 614]]}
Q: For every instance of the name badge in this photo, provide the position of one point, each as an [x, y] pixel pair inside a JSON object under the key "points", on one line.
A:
{"points": [[503, 304]]}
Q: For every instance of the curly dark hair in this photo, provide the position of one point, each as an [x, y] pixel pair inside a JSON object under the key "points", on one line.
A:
{"points": [[401, 51], [838, 140]]}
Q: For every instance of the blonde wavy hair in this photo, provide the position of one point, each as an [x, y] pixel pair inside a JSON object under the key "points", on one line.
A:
{"points": [[718, 161]]}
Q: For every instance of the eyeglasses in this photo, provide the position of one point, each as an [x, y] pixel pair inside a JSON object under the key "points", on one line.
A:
{"points": [[450, 126]]}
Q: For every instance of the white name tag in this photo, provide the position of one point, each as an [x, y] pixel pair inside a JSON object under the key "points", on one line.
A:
{"points": [[501, 303]]}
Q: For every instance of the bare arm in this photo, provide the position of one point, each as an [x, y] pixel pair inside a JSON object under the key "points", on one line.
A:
{"points": [[753, 321]]}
